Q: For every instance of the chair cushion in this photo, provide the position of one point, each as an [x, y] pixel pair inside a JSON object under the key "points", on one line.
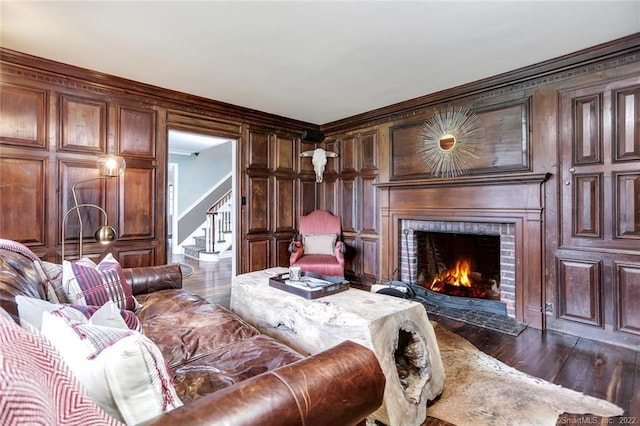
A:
{"points": [[321, 264], [319, 244], [86, 283], [122, 370]]}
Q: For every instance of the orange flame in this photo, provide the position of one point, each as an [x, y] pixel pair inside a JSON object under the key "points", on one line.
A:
{"points": [[458, 275]]}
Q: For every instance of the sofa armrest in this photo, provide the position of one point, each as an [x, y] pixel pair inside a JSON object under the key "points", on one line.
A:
{"points": [[342, 385], [148, 279]]}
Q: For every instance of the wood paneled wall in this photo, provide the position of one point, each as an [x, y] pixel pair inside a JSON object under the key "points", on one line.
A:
{"points": [[56, 119], [559, 159], [560, 156]]}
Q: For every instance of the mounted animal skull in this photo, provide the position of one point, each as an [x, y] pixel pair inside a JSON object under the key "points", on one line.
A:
{"points": [[319, 160]]}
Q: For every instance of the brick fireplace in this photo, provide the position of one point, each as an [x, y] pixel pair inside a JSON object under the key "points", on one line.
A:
{"points": [[509, 207], [412, 248]]}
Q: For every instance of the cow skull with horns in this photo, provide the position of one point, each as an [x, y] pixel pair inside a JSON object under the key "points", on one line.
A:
{"points": [[319, 160]]}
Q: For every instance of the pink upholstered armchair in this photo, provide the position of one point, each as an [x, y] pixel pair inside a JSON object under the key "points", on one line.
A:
{"points": [[318, 247]]}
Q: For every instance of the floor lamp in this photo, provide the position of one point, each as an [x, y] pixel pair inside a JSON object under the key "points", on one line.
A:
{"points": [[109, 166]]}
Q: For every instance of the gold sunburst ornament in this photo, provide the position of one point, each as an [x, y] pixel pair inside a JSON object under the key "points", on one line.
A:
{"points": [[448, 140]]}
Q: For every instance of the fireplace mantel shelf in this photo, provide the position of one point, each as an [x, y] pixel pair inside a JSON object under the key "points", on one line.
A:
{"points": [[493, 179]]}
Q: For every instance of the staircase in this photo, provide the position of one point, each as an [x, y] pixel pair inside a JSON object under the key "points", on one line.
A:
{"points": [[217, 239]]}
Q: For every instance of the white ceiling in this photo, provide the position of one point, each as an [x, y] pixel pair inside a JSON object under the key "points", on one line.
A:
{"points": [[315, 61]]}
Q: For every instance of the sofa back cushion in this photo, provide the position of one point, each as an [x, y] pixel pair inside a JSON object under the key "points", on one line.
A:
{"points": [[36, 385]]}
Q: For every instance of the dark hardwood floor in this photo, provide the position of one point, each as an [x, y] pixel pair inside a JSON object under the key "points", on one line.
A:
{"points": [[596, 369]]}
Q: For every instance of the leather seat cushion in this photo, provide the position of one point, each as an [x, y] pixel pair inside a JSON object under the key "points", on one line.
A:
{"points": [[186, 327], [233, 364]]}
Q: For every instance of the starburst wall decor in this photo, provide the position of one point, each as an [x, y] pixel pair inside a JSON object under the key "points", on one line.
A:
{"points": [[448, 140]]}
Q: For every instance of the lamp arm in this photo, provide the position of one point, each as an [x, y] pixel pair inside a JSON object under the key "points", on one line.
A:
{"points": [[75, 203], [77, 209]]}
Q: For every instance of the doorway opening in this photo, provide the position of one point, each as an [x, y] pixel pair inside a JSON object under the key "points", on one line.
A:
{"points": [[200, 173]]}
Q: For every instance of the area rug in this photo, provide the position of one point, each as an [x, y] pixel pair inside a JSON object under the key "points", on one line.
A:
{"points": [[480, 390], [185, 269]]}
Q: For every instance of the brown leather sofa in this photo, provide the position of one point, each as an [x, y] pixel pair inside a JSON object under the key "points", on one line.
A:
{"points": [[224, 370]]}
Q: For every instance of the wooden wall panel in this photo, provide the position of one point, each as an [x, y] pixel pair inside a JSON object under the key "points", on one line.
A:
{"points": [[370, 151], [352, 256], [627, 203], [89, 190], [282, 251], [23, 116], [137, 132], [258, 149], [257, 255], [580, 290], [330, 197], [284, 155], [308, 196], [627, 114], [83, 124], [627, 283], [370, 206], [136, 258], [259, 214], [348, 197], [285, 214], [137, 210], [587, 123], [587, 215], [22, 197], [505, 145], [348, 157], [370, 260]]}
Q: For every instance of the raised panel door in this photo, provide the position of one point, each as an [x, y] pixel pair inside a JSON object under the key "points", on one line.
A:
{"points": [[598, 253]]}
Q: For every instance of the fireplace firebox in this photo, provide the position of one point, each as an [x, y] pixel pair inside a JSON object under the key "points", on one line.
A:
{"points": [[461, 264]]}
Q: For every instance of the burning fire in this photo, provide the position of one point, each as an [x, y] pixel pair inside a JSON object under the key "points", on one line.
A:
{"points": [[457, 276]]}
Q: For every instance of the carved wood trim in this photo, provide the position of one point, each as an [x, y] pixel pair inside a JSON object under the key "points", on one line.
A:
{"points": [[484, 180]]}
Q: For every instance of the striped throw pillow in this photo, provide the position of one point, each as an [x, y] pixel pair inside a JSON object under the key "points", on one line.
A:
{"points": [[86, 283]]}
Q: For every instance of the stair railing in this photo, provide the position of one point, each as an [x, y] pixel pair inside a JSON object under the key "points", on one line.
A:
{"points": [[218, 222]]}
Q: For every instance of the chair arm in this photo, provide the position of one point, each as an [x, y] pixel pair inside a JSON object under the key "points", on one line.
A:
{"points": [[148, 279], [342, 385], [296, 250], [340, 250]]}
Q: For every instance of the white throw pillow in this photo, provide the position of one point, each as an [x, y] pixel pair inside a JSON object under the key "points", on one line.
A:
{"points": [[30, 312], [109, 315], [319, 244], [123, 371]]}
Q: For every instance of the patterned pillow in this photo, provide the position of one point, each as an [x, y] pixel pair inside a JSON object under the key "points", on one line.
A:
{"points": [[51, 275], [37, 387], [86, 283], [123, 371], [30, 313], [319, 244]]}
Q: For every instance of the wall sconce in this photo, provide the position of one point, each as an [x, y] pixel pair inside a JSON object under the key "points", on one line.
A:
{"points": [[109, 166]]}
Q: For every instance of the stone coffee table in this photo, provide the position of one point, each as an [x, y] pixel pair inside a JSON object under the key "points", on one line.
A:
{"points": [[396, 330]]}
